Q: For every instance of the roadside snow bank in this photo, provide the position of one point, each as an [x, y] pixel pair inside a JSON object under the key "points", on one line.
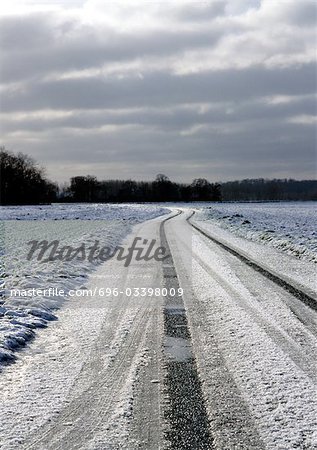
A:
{"points": [[71, 225], [290, 226], [301, 274]]}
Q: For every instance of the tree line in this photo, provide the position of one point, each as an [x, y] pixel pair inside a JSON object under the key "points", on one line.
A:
{"points": [[162, 189], [23, 182], [269, 190]]}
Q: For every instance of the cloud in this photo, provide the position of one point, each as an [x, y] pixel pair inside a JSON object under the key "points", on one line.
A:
{"points": [[181, 118], [201, 12], [221, 87], [161, 88]]}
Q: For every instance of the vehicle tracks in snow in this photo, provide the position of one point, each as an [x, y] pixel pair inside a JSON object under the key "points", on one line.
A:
{"points": [[255, 357], [91, 418], [184, 411], [298, 342], [308, 298], [182, 398]]}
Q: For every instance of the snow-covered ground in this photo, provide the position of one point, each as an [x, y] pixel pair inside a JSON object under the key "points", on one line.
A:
{"points": [[291, 227], [94, 377], [72, 225], [75, 383], [255, 345]]}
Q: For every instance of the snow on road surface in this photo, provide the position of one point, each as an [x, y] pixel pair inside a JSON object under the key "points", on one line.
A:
{"points": [[96, 377], [73, 386], [255, 346]]}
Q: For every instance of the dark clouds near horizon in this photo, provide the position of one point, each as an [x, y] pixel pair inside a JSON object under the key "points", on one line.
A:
{"points": [[222, 90]]}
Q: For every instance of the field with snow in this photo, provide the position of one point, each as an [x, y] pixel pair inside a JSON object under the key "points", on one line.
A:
{"points": [[70, 224], [93, 377], [291, 227]]}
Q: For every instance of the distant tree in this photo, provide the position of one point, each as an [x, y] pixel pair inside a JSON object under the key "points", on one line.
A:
{"points": [[269, 190], [201, 189], [22, 181], [185, 192], [83, 188], [127, 191], [163, 188], [216, 192], [161, 178]]}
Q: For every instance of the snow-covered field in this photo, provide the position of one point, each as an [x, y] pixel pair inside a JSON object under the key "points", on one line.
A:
{"points": [[96, 375], [291, 227], [72, 225]]}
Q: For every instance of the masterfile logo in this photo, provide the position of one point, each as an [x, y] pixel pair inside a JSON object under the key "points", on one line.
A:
{"points": [[145, 250]]}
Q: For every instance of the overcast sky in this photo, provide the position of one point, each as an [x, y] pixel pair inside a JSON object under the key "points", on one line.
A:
{"points": [[221, 90]]}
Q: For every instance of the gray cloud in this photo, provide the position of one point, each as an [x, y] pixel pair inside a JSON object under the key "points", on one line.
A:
{"points": [[178, 118], [194, 90], [161, 88], [303, 13], [201, 11], [213, 155], [40, 45]]}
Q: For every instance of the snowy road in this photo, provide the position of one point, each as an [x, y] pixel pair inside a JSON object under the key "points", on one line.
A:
{"points": [[233, 359]]}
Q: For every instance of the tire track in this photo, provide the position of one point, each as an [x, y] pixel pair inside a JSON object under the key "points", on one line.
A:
{"points": [[92, 407], [301, 355], [185, 412], [231, 422], [83, 416], [308, 299]]}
